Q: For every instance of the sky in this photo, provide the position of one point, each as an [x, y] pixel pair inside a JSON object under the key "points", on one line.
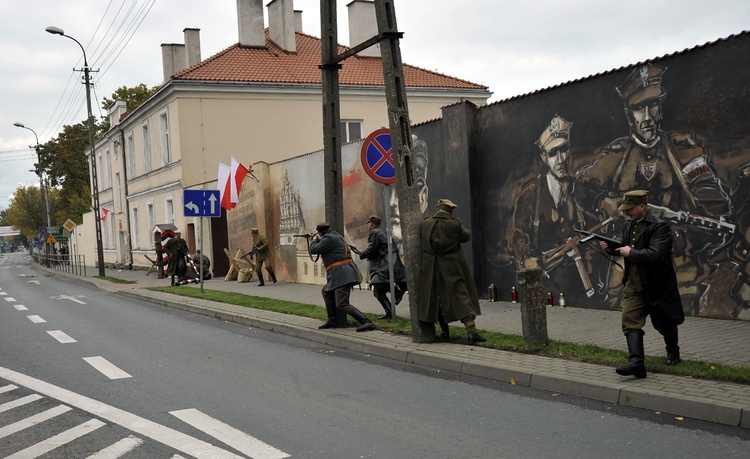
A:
{"points": [[514, 47]]}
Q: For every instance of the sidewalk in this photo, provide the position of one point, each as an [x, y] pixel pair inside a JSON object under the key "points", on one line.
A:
{"points": [[712, 340]]}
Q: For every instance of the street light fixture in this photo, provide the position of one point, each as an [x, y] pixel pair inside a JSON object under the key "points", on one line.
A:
{"points": [[94, 181], [39, 170]]}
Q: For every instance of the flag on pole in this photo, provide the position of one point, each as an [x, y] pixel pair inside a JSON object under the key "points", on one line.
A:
{"points": [[103, 213], [225, 192], [239, 172], [230, 180]]}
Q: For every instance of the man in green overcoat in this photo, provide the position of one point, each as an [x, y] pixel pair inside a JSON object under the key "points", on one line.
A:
{"points": [[262, 250], [446, 287]]}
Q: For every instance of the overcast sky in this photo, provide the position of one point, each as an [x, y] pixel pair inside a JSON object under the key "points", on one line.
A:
{"points": [[512, 46]]}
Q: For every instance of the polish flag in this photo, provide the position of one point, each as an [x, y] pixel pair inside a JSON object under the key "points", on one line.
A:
{"points": [[103, 213], [239, 172], [225, 191]]}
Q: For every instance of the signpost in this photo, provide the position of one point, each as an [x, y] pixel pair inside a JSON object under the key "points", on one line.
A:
{"points": [[377, 161], [201, 203]]}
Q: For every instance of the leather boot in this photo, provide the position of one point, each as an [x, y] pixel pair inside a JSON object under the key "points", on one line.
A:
{"points": [[260, 280], [446, 332], [387, 307], [635, 348], [331, 313], [673, 350], [365, 323], [273, 275]]}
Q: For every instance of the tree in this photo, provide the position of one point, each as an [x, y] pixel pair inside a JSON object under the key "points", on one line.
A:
{"points": [[26, 211], [133, 97]]}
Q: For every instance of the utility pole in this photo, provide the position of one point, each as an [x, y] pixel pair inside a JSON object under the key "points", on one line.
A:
{"points": [[398, 118]]}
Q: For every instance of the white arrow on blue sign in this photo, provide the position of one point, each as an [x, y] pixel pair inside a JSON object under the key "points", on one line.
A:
{"points": [[201, 203]]}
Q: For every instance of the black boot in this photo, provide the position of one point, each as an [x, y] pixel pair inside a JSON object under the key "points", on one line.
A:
{"points": [[387, 307], [635, 348], [673, 350], [331, 312], [365, 323], [475, 338], [273, 275], [260, 280]]}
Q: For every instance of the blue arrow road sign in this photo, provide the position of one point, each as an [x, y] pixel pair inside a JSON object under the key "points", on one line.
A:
{"points": [[201, 203]]}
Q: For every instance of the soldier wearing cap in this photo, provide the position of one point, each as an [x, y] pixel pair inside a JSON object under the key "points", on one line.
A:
{"points": [[650, 282], [377, 254], [262, 250], [673, 167], [341, 275], [446, 286], [545, 214], [176, 248]]}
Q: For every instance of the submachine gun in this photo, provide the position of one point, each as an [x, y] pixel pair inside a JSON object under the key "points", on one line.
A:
{"points": [[589, 235]]}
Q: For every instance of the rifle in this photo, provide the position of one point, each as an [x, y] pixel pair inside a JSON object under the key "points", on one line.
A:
{"points": [[251, 253], [679, 216], [306, 236], [612, 243]]}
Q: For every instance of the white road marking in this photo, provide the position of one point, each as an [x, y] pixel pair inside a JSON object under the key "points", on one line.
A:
{"points": [[63, 438], [106, 367], [34, 282], [33, 420], [7, 388], [118, 449], [227, 434], [9, 299], [3, 293], [20, 307], [36, 319], [181, 442], [61, 336], [69, 297], [19, 402]]}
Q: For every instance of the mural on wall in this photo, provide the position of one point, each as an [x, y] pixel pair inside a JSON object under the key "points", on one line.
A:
{"points": [[688, 149]]}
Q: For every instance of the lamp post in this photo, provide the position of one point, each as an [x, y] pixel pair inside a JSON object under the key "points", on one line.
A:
{"points": [[38, 171], [94, 182]]}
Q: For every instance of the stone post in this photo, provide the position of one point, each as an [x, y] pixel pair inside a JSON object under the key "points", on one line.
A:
{"points": [[533, 308]]}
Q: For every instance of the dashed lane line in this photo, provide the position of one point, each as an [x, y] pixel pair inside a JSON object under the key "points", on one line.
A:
{"points": [[36, 319], [20, 307], [106, 367], [61, 336]]}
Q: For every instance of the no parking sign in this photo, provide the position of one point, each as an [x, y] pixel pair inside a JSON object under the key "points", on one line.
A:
{"points": [[377, 160]]}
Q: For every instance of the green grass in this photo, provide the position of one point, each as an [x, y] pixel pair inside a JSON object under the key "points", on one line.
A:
{"points": [[514, 343], [116, 280]]}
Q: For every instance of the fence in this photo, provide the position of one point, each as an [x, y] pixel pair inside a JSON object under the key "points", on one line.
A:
{"points": [[74, 264]]}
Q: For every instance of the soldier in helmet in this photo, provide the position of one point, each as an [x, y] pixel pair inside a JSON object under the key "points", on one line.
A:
{"points": [[673, 167]]}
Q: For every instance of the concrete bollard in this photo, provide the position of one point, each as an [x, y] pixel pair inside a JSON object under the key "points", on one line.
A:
{"points": [[533, 307]]}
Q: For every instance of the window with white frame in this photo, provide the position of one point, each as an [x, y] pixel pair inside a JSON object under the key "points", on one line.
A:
{"points": [[98, 165], [166, 154], [150, 215], [130, 148], [169, 210], [113, 225], [136, 228], [351, 130], [118, 191], [105, 234], [107, 170], [146, 148]]}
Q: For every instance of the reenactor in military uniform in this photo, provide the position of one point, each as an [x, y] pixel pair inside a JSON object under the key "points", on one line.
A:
{"points": [[673, 167], [544, 217], [262, 251]]}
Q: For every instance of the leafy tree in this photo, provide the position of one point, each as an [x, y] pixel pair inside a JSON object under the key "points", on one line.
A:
{"points": [[26, 211], [133, 97]]}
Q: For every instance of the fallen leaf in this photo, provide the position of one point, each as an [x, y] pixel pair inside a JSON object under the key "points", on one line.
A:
{"points": [[556, 394], [513, 381], [680, 418], [658, 412], [713, 367]]}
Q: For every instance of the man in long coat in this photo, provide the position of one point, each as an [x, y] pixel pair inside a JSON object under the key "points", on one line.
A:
{"points": [[376, 253], [262, 250], [446, 286], [650, 282]]}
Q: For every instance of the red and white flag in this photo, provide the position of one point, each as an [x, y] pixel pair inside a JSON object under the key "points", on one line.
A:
{"points": [[230, 183], [103, 213]]}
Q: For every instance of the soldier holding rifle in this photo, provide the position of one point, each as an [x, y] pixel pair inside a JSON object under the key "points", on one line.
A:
{"points": [[649, 279]]}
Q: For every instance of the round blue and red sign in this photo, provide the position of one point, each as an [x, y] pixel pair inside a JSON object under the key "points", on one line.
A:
{"points": [[377, 159]]}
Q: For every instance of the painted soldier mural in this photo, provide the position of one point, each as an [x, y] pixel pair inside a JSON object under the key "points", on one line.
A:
{"points": [[541, 232], [676, 169]]}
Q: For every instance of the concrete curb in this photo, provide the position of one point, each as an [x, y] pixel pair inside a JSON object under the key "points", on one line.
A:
{"points": [[546, 373]]}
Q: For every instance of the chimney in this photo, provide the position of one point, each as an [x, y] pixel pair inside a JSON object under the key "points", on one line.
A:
{"points": [[363, 26], [298, 21], [192, 46], [173, 59], [115, 112], [281, 24], [250, 23]]}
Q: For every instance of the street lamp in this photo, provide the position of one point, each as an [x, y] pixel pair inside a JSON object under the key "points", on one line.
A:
{"points": [[39, 169], [94, 182]]}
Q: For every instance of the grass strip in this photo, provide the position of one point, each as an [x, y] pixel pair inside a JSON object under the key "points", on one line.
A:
{"points": [[588, 353]]}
